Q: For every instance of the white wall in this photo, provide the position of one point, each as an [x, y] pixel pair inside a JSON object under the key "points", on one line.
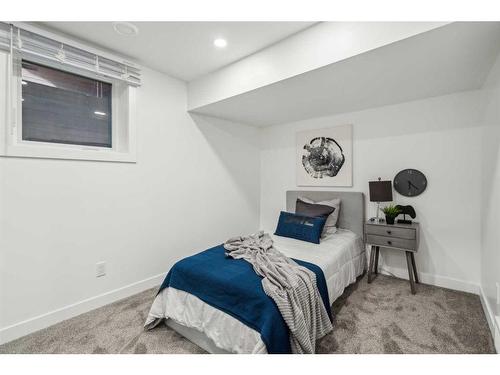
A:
{"points": [[196, 183], [490, 208], [441, 137]]}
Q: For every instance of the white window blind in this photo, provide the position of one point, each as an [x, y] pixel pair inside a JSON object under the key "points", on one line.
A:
{"points": [[4, 36], [30, 44]]}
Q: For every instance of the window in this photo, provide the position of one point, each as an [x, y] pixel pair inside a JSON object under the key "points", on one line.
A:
{"points": [[61, 107], [60, 99]]}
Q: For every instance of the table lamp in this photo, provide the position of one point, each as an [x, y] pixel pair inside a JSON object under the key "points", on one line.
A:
{"points": [[380, 191]]}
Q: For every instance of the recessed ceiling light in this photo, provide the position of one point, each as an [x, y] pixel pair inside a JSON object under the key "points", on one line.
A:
{"points": [[220, 43], [125, 28], [99, 113]]}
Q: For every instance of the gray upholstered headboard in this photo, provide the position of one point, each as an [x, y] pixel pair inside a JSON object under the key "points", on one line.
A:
{"points": [[352, 206]]}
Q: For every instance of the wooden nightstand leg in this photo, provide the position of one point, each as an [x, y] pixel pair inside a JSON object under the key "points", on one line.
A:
{"points": [[370, 265], [377, 253], [410, 271], [415, 275]]}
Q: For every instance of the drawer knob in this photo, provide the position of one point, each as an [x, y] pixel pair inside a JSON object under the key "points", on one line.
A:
{"points": [[389, 242], [389, 232]]}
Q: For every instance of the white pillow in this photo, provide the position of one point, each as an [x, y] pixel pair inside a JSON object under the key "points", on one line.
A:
{"points": [[331, 222]]}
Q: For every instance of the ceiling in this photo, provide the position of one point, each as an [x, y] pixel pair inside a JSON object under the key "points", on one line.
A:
{"points": [[183, 49], [452, 58]]}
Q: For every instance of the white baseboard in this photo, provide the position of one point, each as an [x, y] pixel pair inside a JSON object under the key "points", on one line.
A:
{"points": [[426, 278], [36, 323], [496, 337], [493, 321]]}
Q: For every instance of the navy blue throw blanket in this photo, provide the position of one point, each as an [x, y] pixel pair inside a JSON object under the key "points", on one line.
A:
{"points": [[231, 285]]}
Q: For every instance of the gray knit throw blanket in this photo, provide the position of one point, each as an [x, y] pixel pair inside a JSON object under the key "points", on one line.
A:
{"points": [[292, 287]]}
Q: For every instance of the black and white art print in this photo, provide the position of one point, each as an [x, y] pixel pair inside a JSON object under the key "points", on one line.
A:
{"points": [[324, 157]]}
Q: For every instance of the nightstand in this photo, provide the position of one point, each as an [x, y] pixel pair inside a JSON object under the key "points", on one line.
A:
{"points": [[402, 237]]}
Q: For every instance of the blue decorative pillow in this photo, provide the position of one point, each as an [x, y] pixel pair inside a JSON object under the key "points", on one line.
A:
{"points": [[300, 227]]}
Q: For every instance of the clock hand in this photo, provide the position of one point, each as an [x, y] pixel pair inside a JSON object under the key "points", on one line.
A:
{"points": [[411, 184]]}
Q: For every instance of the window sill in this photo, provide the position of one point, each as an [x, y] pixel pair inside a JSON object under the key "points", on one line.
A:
{"points": [[89, 154]]}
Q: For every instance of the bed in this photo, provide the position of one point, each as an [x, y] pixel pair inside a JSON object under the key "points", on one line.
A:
{"points": [[340, 256]]}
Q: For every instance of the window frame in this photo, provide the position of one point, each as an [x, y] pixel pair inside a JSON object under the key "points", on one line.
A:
{"points": [[122, 125]]}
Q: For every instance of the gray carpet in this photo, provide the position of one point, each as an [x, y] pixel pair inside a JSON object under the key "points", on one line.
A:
{"points": [[382, 317]]}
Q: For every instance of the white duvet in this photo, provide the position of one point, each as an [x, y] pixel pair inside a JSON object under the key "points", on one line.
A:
{"points": [[341, 256]]}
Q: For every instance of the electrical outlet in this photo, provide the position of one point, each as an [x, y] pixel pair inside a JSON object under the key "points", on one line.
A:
{"points": [[100, 269]]}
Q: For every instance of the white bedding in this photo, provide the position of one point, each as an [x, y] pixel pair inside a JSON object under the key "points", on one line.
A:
{"points": [[341, 256]]}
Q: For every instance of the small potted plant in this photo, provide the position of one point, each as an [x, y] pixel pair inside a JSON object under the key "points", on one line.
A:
{"points": [[391, 212]]}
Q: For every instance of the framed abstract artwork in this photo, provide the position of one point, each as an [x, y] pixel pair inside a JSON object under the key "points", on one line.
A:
{"points": [[324, 157]]}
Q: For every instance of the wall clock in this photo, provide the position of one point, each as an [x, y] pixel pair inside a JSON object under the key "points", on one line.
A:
{"points": [[410, 182]]}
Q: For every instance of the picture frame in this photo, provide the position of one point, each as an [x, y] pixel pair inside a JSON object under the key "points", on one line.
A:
{"points": [[324, 157]]}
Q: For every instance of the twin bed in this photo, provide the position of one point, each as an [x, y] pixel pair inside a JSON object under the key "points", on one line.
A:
{"points": [[192, 304]]}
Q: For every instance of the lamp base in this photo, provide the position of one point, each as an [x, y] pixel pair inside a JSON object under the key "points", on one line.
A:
{"points": [[377, 219]]}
